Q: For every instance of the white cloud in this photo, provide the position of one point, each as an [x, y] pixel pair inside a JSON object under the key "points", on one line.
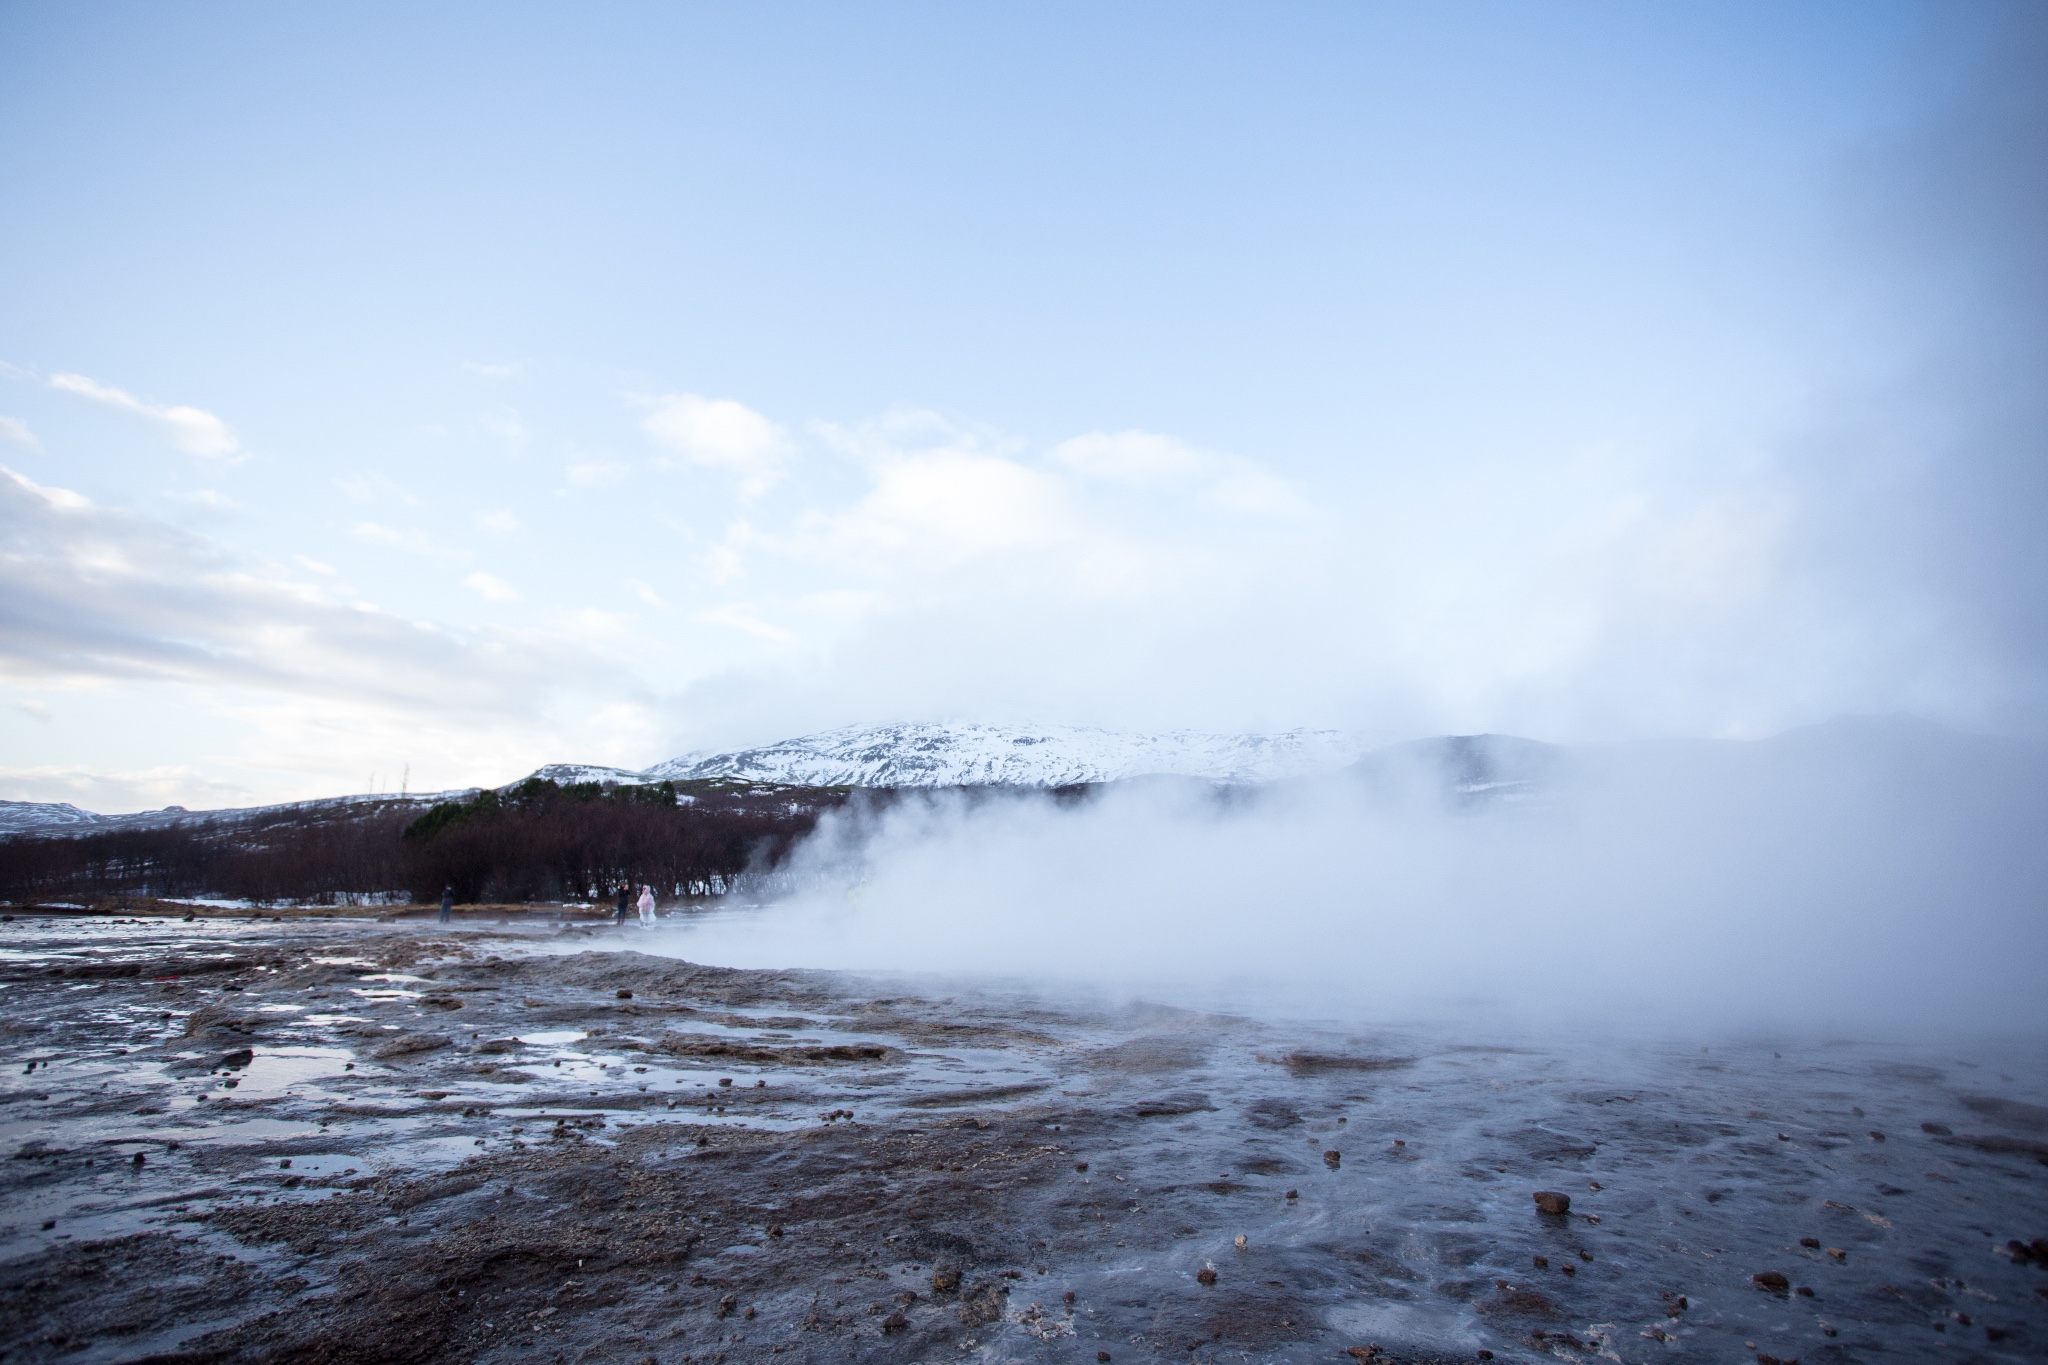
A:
{"points": [[211, 499], [722, 435], [596, 473], [192, 430], [90, 594], [502, 520], [242, 680], [1144, 460], [15, 432], [507, 429], [28, 706], [326, 570], [489, 588], [743, 619], [644, 591], [498, 372], [370, 486], [597, 624], [412, 540]]}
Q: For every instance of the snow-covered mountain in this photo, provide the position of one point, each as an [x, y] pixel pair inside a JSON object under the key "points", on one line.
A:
{"points": [[63, 818], [999, 755], [22, 817], [567, 773], [1462, 771]]}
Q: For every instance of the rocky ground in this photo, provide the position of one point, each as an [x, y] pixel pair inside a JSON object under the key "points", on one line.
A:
{"points": [[338, 1140]]}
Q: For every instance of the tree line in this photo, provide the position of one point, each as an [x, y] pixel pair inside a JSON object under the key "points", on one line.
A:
{"points": [[538, 840]]}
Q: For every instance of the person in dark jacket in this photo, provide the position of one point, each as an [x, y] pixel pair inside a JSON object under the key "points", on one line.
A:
{"points": [[447, 903], [625, 902]]}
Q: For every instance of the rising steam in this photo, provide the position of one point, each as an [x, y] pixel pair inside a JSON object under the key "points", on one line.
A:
{"points": [[1875, 875]]}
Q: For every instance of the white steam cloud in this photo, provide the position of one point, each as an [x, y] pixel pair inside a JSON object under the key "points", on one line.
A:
{"points": [[1877, 876]]}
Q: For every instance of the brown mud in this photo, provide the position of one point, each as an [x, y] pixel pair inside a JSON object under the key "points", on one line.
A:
{"points": [[332, 1139]]}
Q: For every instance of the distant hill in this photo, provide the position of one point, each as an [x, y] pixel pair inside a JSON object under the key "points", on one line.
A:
{"points": [[1462, 771], [917, 755]]}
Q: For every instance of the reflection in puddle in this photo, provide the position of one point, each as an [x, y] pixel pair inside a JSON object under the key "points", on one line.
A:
{"points": [[275, 1070]]}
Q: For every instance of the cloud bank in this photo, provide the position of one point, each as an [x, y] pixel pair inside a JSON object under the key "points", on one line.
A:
{"points": [[93, 598], [192, 430]]}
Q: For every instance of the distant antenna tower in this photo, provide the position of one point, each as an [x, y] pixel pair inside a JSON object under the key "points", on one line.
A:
{"points": [[405, 783]]}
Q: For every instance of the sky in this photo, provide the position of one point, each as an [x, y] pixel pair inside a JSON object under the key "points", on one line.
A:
{"points": [[409, 395]]}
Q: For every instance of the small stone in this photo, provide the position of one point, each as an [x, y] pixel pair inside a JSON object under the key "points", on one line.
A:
{"points": [[1938, 1129], [1240, 1236], [725, 1081], [1813, 1242], [285, 1165], [1541, 1262], [1771, 1282], [1101, 1356], [1803, 1292], [138, 1159], [1068, 1296], [1838, 1253], [1569, 1269], [1333, 1159], [1294, 1194], [1080, 1165], [945, 1279], [1550, 1201], [1205, 1276], [728, 1304], [775, 1229], [625, 995], [895, 1322], [1876, 1136]]}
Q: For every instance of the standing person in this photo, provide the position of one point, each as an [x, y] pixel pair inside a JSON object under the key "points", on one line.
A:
{"points": [[647, 907], [625, 902], [447, 903]]}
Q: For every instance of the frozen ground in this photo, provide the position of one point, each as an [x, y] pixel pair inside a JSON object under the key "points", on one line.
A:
{"points": [[346, 1141]]}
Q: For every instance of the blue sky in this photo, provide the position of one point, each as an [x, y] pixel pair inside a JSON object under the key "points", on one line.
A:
{"points": [[426, 392]]}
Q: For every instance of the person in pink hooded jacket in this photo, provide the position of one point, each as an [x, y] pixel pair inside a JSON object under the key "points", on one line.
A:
{"points": [[647, 906]]}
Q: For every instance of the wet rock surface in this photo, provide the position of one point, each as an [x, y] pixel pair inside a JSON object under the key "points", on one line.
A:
{"points": [[348, 1141]]}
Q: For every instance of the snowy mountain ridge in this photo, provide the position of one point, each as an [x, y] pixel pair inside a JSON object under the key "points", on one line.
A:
{"points": [[907, 755], [1463, 771], [927, 755]]}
